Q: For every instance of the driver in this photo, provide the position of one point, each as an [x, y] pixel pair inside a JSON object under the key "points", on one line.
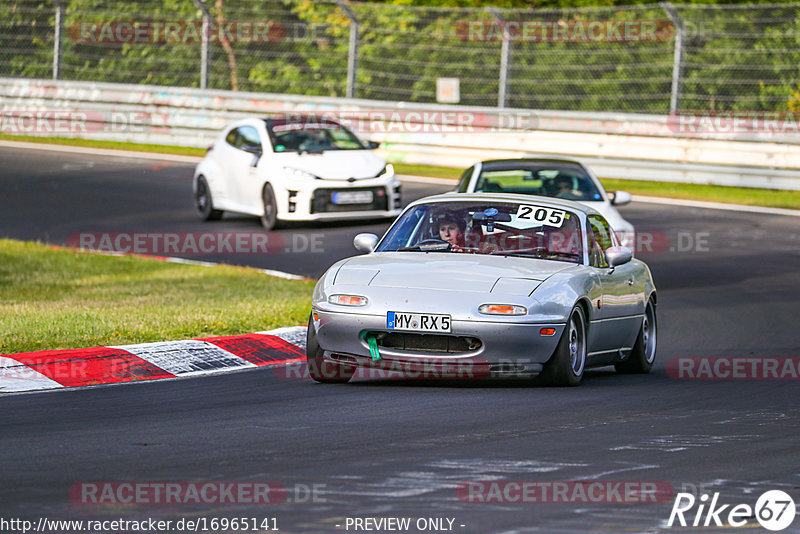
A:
{"points": [[451, 230], [563, 187]]}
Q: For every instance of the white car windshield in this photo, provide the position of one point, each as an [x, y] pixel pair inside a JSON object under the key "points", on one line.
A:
{"points": [[558, 180], [496, 228], [312, 136]]}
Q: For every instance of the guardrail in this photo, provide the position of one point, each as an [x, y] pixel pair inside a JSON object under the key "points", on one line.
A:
{"points": [[616, 145]]}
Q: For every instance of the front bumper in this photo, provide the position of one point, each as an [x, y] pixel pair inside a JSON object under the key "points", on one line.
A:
{"points": [[505, 349], [312, 200]]}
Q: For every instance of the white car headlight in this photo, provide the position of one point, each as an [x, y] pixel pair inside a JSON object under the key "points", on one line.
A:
{"points": [[297, 173], [387, 171]]}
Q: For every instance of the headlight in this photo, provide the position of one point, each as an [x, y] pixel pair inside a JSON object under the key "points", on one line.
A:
{"points": [[387, 171], [297, 173], [502, 309], [348, 300]]}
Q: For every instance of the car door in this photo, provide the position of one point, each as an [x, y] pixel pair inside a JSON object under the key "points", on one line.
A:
{"points": [[239, 163], [618, 312]]}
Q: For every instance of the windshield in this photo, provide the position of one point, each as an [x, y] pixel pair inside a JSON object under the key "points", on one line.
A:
{"points": [[494, 228], [311, 136], [558, 180]]}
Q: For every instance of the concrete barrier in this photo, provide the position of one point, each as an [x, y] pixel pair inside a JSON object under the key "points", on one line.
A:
{"points": [[616, 145]]}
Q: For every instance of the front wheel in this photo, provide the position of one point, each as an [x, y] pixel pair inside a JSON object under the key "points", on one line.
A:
{"points": [[203, 201], [644, 350], [565, 367], [270, 218], [321, 370]]}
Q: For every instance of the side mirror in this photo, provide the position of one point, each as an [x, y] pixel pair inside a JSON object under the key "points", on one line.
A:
{"points": [[365, 242], [620, 198], [616, 256], [253, 149], [372, 145]]}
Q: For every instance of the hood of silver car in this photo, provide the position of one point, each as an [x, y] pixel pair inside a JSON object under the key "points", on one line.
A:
{"points": [[449, 271]]}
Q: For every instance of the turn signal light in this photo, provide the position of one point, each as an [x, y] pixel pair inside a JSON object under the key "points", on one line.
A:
{"points": [[348, 300], [502, 309], [547, 332]]}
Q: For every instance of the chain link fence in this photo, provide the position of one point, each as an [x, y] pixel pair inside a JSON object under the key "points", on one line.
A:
{"points": [[652, 58]]}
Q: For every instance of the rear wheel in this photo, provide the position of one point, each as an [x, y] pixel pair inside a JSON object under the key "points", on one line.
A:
{"points": [[203, 201], [325, 372], [565, 367], [644, 350], [270, 218]]}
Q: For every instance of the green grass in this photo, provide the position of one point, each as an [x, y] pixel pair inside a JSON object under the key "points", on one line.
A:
{"points": [[117, 145], [428, 170], [58, 298], [712, 193]]}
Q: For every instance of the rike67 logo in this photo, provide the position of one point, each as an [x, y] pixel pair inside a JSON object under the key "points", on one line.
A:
{"points": [[774, 510]]}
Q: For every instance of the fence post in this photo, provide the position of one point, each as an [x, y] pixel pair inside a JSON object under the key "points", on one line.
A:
{"points": [[58, 37], [352, 51], [677, 63], [205, 56], [505, 61]]}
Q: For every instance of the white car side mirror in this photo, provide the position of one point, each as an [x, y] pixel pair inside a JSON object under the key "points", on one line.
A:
{"points": [[621, 198], [365, 242], [616, 256]]}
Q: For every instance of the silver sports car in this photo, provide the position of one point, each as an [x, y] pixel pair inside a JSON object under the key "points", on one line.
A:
{"points": [[485, 285]]}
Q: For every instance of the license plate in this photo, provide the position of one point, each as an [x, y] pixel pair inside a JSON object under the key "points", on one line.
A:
{"points": [[417, 322], [352, 197]]}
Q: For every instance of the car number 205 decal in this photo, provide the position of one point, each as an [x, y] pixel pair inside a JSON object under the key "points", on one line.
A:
{"points": [[541, 215], [419, 322]]}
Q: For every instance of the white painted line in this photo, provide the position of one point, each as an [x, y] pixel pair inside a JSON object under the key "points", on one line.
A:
{"points": [[296, 335], [716, 205], [131, 154], [189, 357], [16, 376], [270, 272]]}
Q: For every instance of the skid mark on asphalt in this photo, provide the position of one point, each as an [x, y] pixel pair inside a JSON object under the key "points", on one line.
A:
{"points": [[677, 443]]}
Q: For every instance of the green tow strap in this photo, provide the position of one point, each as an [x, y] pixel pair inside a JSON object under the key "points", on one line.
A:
{"points": [[373, 346]]}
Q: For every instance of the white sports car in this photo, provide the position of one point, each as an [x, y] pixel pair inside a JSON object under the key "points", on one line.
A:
{"points": [[563, 178], [292, 169]]}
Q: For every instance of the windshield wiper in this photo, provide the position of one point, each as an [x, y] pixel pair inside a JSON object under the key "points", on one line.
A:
{"points": [[537, 254], [429, 245]]}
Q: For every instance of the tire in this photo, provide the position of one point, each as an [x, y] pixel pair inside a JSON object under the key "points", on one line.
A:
{"points": [[270, 218], [568, 362], [324, 372], [643, 354], [203, 201]]}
